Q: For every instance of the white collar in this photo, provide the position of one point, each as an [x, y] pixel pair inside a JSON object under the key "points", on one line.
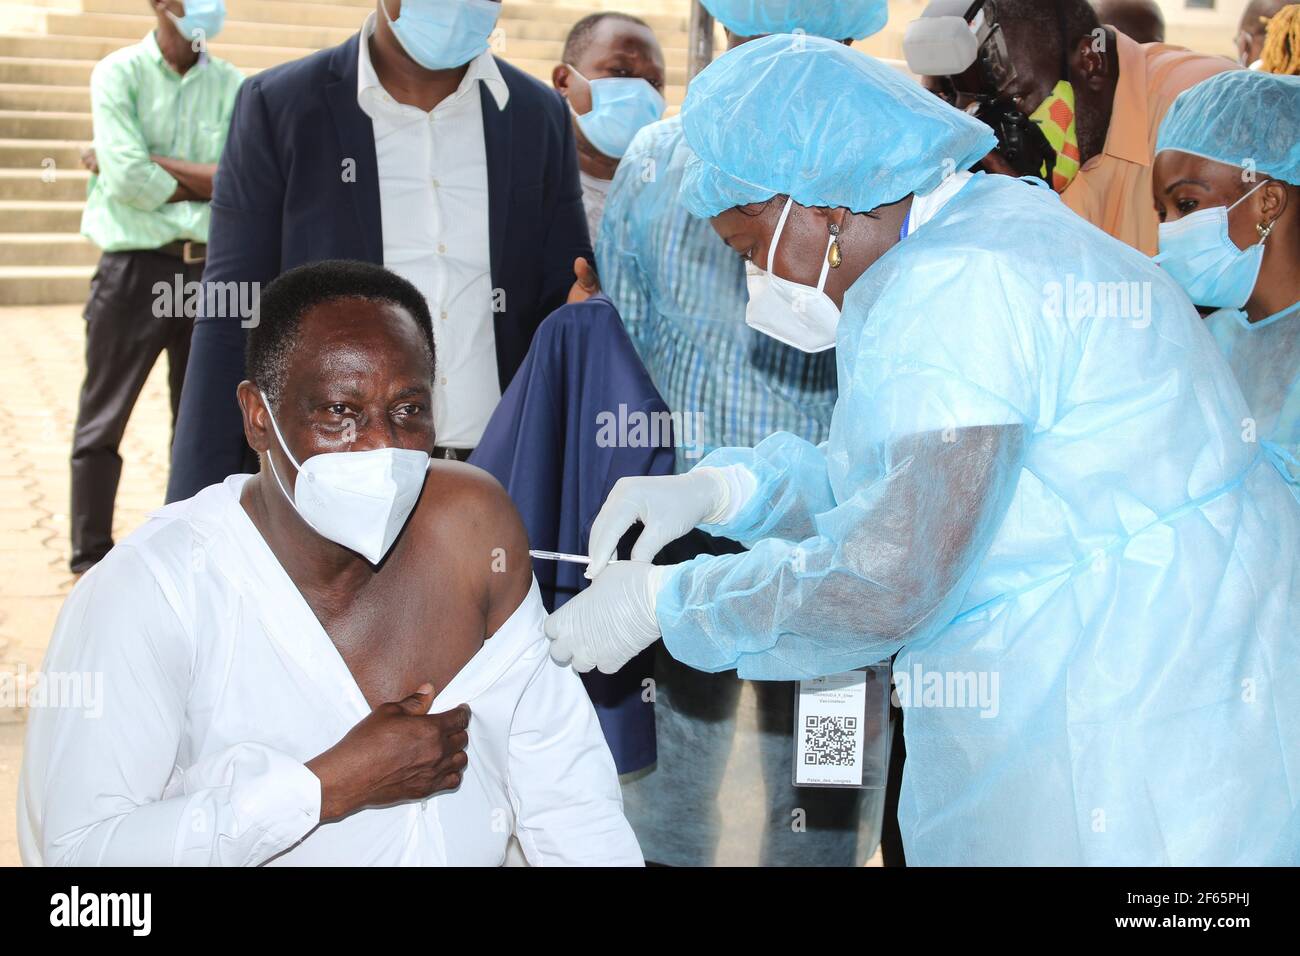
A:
{"points": [[482, 67], [926, 205]]}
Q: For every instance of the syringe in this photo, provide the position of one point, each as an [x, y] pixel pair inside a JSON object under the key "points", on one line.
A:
{"points": [[561, 556]]}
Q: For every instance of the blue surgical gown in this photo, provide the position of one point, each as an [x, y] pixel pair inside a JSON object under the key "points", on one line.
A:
{"points": [[1036, 490], [1265, 358]]}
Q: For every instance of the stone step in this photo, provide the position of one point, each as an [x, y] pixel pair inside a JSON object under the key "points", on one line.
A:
{"points": [[40, 97], [92, 48], [73, 5], [33, 153], [44, 285], [45, 70], [275, 12], [21, 124], [46, 249], [40, 185], [22, 215], [131, 27]]}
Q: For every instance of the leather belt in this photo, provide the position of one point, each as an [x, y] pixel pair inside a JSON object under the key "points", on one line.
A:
{"points": [[187, 250]]}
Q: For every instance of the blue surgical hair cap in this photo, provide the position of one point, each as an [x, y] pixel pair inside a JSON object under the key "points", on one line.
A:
{"points": [[835, 19], [821, 122], [1236, 118]]}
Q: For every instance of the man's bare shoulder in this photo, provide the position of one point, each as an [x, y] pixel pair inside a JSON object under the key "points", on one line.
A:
{"points": [[466, 509]]}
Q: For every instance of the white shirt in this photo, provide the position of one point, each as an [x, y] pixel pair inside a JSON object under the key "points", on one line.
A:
{"points": [[594, 193], [925, 206], [433, 200], [218, 683]]}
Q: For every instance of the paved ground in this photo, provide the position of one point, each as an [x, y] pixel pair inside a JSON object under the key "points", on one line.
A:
{"points": [[41, 364]]}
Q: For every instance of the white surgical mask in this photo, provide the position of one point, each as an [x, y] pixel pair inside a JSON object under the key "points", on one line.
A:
{"points": [[798, 315], [359, 499]]}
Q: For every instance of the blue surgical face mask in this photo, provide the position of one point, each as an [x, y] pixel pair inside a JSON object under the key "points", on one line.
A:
{"points": [[442, 34], [620, 107], [1200, 254], [203, 18]]}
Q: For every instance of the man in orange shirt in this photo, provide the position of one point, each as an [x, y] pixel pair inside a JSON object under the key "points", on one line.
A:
{"points": [[1099, 97]]}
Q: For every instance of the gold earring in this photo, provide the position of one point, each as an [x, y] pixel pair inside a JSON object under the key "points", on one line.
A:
{"points": [[1264, 229], [833, 256]]}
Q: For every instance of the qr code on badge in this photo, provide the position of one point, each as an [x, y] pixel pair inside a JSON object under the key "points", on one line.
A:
{"points": [[828, 741]]}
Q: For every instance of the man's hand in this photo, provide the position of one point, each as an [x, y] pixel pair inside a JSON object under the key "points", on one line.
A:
{"points": [[587, 284], [610, 622], [88, 159], [399, 752]]}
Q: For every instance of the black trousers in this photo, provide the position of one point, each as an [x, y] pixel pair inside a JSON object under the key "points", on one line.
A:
{"points": [[128, 325]]}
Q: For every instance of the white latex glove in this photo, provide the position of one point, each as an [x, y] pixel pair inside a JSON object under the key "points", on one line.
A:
{"points": [[610, 622], [668, 506]]}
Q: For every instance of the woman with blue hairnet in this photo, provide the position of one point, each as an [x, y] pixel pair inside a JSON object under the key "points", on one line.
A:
{"points": [[721, 790], [1227, 190], [1035, 471]]}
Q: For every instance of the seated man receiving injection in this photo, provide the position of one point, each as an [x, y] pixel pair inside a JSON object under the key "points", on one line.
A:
{"points": [[338, 660]]}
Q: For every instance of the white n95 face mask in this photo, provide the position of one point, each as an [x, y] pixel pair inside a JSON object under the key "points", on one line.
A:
{"points": [[798, 315], [359, 499]]}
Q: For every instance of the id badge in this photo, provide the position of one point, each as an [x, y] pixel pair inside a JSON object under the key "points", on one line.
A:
{"points": [[841, 729]]}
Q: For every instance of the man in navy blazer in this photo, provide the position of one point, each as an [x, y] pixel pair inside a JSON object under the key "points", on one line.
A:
{"points": [[475, 166]]}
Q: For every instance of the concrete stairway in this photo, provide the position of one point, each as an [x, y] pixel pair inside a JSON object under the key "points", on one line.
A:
{"points": [[48, 48]]}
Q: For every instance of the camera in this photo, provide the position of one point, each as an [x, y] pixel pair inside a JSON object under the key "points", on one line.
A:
{"points": [[961, 44]]}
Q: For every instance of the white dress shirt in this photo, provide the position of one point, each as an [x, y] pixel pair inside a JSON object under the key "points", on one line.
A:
{"points": [[594, 193], [218, 683], [433, 199]]}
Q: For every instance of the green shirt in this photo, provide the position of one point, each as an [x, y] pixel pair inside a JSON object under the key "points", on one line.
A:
{"points": [[142, 106]]}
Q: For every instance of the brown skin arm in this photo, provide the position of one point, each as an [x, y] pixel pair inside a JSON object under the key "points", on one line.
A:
{"points": [[193, 180], [465, 511], [512, 568]]}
